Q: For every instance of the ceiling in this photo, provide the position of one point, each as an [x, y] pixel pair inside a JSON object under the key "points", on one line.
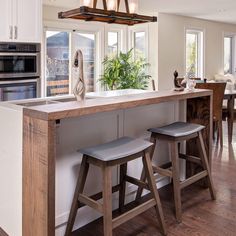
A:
{"points": [[217, 10]]}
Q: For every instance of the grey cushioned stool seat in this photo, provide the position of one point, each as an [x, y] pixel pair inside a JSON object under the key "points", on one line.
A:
{"points": [[116, 149], [178, 129]]}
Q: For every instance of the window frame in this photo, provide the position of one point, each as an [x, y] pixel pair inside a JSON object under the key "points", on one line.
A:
{"points": [[121, 31], [138, 29], [44, 62], [200, 50], [232, 37], [82, 27]]}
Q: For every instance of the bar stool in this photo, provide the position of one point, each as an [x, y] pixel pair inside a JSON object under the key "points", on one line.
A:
{"points": [[174, 134], [105, 156]]}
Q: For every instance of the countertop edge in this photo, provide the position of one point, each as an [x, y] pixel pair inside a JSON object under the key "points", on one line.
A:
{"points": [[77, 109]]}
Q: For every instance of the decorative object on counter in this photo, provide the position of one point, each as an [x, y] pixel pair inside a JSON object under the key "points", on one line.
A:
{"points": [[177, 82], [190, 84], [79, 89], [123, 72], [110, 13]]}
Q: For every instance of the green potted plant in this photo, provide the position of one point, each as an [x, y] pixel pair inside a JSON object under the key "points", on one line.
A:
{"points": [[123, 72]]}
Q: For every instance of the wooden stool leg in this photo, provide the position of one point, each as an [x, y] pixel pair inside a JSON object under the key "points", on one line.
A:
{"points": [[205, 164], [220, 132], [152, 185], [143, 175], [107, 200], [176, 180], [123, 172], [140, 189], [79, 189]]}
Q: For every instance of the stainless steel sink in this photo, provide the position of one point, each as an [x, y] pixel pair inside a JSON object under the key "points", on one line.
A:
{"points": [[40, 102], [36, 103], [70, 99]]}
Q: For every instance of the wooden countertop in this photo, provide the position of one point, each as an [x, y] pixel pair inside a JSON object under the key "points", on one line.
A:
{"points": [[91, 106]]}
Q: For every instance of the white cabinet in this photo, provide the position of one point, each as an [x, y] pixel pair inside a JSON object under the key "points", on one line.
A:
{"points": [[6, 27], [21, 20]]}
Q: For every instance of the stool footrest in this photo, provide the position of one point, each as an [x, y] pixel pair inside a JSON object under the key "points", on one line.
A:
{"points": [[132, 213], [193, 179], [161, 171], [98, 196], [90, 202], [137, 182], [190, 158]]}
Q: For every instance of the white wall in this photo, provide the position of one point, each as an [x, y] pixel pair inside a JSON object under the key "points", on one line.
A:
{"points": [[171, 44]]}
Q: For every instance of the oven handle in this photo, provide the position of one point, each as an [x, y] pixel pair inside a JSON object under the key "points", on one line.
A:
{"points": [[19, 54], [18, 81]]}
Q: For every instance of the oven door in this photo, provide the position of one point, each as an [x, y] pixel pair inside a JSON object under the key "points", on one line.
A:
{"points": [[16, 90], [13, 65]]}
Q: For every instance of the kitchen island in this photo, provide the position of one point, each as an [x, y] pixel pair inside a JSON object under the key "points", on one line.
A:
{"points": [[54, 131]]}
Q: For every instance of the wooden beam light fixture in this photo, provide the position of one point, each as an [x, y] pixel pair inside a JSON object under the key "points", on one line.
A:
{"points": [[109, 14]]}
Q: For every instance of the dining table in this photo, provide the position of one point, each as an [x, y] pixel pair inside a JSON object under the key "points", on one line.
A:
{"points": [[230, 96]]}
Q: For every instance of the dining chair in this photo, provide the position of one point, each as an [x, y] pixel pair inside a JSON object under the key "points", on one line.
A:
{"points": [[218, 96]]}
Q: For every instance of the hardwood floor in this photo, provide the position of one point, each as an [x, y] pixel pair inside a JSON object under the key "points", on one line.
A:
{"points": [[201, 216], [2, 232]]}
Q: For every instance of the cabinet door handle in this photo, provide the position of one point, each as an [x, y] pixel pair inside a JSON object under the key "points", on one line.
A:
{"points": [[11, 32], [16, 32]]}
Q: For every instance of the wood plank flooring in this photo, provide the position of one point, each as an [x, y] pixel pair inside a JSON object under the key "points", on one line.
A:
{"points": [[201, 216], [2, 232]]}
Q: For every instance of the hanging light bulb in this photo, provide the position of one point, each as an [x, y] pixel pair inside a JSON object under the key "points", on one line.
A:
{"points": [[112, 5], [86, 3], [133, 6]]}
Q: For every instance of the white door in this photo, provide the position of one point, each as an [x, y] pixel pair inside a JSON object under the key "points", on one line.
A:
{"points": [[6, 27], [27, 20]]}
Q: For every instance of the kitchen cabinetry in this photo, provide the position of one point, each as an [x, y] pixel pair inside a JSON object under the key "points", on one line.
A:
{"points": [[21, 20]]}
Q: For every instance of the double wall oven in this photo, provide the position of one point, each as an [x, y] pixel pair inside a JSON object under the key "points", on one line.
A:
{"points": [[19, 71]]}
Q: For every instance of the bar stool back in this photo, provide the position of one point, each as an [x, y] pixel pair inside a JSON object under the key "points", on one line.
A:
{"points": [[173, 134], [105, 156]]}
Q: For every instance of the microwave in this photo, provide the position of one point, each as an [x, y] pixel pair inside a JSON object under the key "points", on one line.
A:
{"points": [[19, 60]]}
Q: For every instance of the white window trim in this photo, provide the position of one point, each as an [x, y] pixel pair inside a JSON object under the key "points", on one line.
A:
{"points": [[233, 35], [43, 58], [122, 35], [200, 30], [136, 29]]}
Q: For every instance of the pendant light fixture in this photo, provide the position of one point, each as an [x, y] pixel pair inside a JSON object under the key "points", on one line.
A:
{"points": [[109, 14]]}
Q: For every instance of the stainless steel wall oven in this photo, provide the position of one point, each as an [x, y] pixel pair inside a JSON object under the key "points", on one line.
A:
{"points": [[19, 71]]}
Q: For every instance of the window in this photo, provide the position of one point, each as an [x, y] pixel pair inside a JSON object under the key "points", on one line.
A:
{"points": [[139, 44], [86, 43], [60, 51], [57, 63], [228, 55], [113, 46], [194, 54]]}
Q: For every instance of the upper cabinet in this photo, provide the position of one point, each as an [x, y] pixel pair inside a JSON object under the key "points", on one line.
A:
{"points": [[6, 27], [21, 20]]}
